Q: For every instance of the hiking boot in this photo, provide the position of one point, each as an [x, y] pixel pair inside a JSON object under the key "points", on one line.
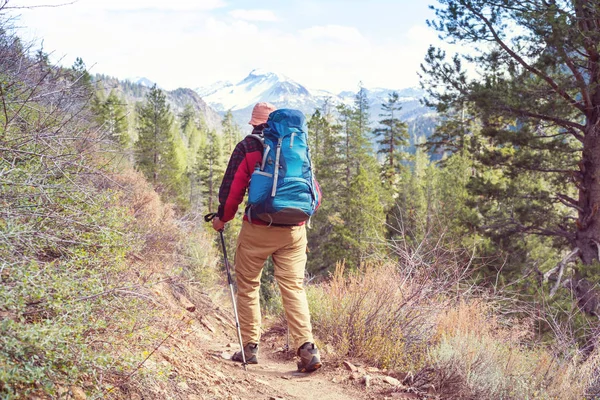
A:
{"points": [[309, 358], [250, 352]]}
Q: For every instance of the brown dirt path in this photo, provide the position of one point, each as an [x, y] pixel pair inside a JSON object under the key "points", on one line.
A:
{"points": [[276, 376], [194, 364]]}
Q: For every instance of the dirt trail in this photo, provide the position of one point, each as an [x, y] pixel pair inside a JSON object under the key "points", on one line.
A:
{"points": [[276, 376], [194, 364]]}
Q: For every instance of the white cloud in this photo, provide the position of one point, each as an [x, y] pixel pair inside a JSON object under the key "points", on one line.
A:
{"points": [[184, 49], [173, 5], [125, 5], [337, 33], [254, 15]]}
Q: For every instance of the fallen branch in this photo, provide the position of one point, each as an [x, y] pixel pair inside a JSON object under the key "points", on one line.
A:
{"points": [[560, 267]]}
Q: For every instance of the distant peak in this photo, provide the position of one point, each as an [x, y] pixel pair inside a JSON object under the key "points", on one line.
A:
{"points": [[141, 80], [261, 72]]}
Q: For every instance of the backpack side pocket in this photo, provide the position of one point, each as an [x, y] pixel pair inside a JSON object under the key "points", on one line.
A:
{"points": [[261, 184]]}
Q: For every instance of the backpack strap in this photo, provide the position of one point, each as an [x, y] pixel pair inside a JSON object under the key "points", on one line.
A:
{"points": [[259, 137], [266, 148]]}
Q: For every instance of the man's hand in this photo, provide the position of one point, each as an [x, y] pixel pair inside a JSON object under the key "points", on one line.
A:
{"points": [[218, 225]]}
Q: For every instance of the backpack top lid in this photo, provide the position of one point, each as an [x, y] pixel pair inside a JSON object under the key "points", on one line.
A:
{"points": [[284, 121]]}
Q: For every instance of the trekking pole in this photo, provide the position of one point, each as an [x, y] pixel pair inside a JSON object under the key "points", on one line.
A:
{"points": [[208, 218], [287, 344]]}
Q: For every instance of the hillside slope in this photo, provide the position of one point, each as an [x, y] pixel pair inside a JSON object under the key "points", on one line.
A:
{"points": [[136, 92]]}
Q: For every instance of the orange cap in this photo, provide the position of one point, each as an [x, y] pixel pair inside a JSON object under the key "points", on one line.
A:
{"points": [[260, 113]]}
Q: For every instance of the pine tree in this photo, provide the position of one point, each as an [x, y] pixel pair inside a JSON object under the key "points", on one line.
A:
{"points": [[361, 143], [392, 136], [347, 128], [535, 97], [111, 114], [323, 239], [155, 153], [363, 231], [81, 76], [231, 132], [209, 170], [355, 222]]}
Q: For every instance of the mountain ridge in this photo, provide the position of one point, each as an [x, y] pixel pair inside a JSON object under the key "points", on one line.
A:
{"points": [[284, 92]]}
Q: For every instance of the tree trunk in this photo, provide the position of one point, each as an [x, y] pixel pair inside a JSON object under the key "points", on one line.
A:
{"points": [[587, 238]]}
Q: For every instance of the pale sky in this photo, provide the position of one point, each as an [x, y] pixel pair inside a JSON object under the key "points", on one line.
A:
{"points": [[322, 44]]}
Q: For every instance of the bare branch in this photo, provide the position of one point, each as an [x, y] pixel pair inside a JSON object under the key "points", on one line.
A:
{"points": [[560, 268], [521, 61], [5, 7]]}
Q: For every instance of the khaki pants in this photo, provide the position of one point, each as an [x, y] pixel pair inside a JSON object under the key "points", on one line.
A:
{"points": [[287, 246]]}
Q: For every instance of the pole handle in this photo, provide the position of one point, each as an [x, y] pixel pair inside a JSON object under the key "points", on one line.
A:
{"points": [[209, 217]]}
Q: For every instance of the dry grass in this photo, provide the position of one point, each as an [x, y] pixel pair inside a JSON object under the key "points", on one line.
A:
{"points": [[364, 316], [482, 355], [452, 344], [173, 265]]}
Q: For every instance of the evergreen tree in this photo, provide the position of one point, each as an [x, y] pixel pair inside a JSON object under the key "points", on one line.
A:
{"points": [[155, 150], [111, 114], [361, 143], [209, 170], [81, 76], [392, 136], [231, 132], [192, 131], [535, 98], [347, 128], [187, 117], [324, 240], [352, 179], [363, 231]]}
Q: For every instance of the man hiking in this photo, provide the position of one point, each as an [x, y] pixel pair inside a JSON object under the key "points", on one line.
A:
{"points": [[286, 244]]}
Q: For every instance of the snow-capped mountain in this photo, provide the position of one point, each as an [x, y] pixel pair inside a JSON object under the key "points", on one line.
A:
{"points": [[140, 80], [282, 91], [259, 85], [210, 89]]}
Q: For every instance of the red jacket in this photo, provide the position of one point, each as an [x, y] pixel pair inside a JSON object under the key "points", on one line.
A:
{"points": [[246, 155]]}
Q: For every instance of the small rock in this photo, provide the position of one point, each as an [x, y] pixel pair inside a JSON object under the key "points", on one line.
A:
{"points": [[231, 345], [207, 324], [276, 398], [355, 376], [183, 386], [286, 377], [362, 371], [225, 355], [220, 375], [350, 367], [334, 380], [391, 381], [372, 369], [367, 380], [78, 393], [62, 391]]}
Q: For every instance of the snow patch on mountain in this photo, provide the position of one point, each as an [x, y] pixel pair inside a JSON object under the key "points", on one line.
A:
{"points": [[259, 85], [140, 80], [210, 89]]}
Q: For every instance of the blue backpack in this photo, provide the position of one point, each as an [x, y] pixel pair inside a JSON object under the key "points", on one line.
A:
{"points": [[282, 188]]}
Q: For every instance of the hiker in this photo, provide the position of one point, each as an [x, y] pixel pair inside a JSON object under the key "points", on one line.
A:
{"points": [[287, 244]]}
